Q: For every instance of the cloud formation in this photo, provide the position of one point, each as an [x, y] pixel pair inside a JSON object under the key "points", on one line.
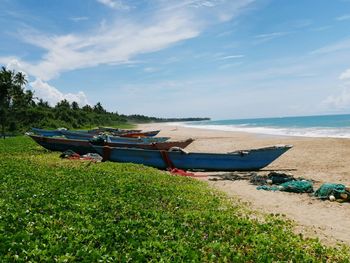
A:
{"points": [[340, 101], [114, 4], [345, 75], [335, 47], [342, 18], [52, 95], [121, 40], [270, 36], [118, 40]]}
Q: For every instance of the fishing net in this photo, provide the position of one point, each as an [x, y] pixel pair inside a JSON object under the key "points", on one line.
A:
{"points": [[280, 178], [272, 178], [326, 190], [302, 186]]}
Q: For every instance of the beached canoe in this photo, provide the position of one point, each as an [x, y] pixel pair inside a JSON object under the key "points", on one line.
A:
{"points": [[246, 160], [113, 131], [84, 146], [47, 133], [78, 135], [117, 139], [140, 134]]}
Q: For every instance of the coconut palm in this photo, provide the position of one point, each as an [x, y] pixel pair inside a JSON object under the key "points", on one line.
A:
{"points": [[12, 94]]}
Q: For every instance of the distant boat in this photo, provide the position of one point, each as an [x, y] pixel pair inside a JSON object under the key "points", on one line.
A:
{"points": [[246, 160], [140, 134], [77, 135], [92, 133], [47, 133], [84, 146], [89, 136], [113, 131]]}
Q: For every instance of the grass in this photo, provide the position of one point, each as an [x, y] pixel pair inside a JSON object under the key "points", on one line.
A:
{"points": [[54, 210]]}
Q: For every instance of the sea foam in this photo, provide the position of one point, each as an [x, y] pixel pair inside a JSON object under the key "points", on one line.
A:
{"points": [[317, 132]]}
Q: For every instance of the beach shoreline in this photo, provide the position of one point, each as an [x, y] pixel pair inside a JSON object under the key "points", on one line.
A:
{"points": [[318, 159]]}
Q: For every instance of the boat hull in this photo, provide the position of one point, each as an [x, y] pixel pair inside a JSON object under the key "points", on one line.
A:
{"points": [[77, 135], [140, 134], [84, 146], [115, 139], [62, 144], [152, 146], [248, 160], [47, 133]]}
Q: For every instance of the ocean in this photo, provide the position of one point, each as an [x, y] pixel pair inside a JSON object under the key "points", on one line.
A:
{"points": [[335, 126]]}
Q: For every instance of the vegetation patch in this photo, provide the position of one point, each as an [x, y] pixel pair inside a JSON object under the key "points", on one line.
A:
{"points": [[64, 211]]}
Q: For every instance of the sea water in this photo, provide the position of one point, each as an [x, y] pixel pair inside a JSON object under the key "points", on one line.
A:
{"points": [[336, 126]]}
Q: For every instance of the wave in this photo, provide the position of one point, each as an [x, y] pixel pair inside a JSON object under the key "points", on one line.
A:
{"points": [[317, 132]]}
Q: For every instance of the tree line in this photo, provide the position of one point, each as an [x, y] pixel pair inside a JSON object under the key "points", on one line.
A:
{"points": [[20, 110]]}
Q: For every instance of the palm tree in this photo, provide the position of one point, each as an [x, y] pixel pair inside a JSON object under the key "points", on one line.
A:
{"points": [[11, 93]]}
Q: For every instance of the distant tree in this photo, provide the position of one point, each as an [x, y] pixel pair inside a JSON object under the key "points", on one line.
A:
{"points": [[75, 106], [43, 104], [12, 95], [98, 108], [87, 108], [63, 104]]}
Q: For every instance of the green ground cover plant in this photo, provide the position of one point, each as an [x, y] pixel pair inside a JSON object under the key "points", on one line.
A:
{"points": [[54, 210]]}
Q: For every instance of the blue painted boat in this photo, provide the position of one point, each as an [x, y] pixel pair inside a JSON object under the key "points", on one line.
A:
{"points": [[78, 135], [112, 131], [246, 160], [84, 146], [47, 133], [63, 144], [88, 136], [118, 139], [140, 134]]}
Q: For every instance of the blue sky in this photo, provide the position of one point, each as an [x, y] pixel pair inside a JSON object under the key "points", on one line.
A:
{"points": [[171, 58]]}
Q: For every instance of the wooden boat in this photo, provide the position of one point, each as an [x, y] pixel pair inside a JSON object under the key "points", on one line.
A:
{"points": [[47, 133], [116, 139], [77, 135], [84, 146], [246, 160], [140, 134], [113, 131]]}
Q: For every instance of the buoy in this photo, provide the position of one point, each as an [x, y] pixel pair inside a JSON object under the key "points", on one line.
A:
{"points": [[344, 196], [269, 181], [331, 198]]}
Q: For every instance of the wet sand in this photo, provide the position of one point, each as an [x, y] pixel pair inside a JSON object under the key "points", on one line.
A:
{"points": [[320, 159]]}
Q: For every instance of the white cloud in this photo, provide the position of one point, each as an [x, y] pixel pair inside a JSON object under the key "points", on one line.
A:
{"points": [[79, 18], [113, 46], [14, 64], [339, 102], [269, 36], [150, 69], [43, 90], [114, 4], [335, 47], [231, 57], [119, 41], [345, 75], [343, 17]]}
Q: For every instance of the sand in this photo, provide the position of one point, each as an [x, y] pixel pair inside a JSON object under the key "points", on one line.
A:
{"points": [[320, 159]]}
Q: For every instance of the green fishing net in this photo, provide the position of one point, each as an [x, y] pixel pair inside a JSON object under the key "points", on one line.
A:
{"points": [[329, 189], [302, 186]]}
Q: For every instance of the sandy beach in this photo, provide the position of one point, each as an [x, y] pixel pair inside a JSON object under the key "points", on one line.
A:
{"points": [[320, 159]]}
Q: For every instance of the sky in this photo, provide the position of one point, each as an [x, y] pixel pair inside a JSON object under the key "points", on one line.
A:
{"points": [[223, 59]]}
